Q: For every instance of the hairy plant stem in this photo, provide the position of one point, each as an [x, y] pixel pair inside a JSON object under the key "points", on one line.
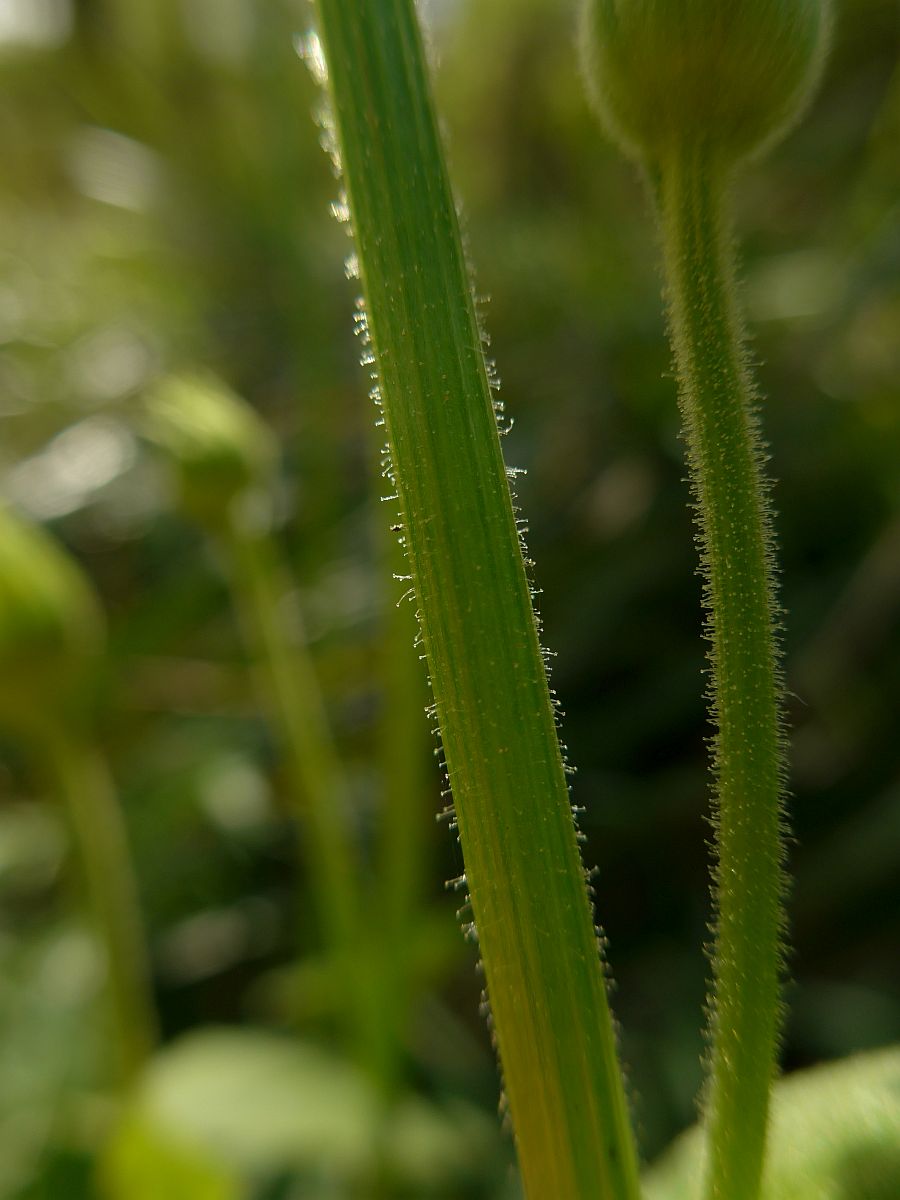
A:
{"points": [[101, 847], [526, 885], [736, 546]]}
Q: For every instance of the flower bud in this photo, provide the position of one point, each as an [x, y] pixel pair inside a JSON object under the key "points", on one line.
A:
{"points": [[726, 78], [51, 627], [221, 449]]}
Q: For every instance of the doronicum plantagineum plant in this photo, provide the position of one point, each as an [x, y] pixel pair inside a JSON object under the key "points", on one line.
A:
{"points": [[51, 646], [692, 90]]}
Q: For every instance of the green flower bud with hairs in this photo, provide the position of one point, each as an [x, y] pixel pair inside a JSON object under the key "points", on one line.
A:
{"points": [[51, 628], [220, 448], [731, 77]]}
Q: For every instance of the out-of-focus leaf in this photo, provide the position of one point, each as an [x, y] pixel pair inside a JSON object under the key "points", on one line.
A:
{"points": [[246, 1107], [48, 1050], [835, 1136], [258, 1102], [143, 1164]]}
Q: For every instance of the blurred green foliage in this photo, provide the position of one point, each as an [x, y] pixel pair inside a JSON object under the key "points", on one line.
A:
{"points": [[835, 1136], [165, 206]]}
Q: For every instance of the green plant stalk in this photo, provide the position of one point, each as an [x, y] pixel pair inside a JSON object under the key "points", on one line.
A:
{"points": [[289, 681], [404, 833], [101, 846], [736, 544], [545, 981]]}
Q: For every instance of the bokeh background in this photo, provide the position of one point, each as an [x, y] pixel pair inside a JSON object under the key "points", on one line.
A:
{"points": [[164, 204]]}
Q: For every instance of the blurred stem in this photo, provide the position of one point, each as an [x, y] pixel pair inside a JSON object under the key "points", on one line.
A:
{"points": [[526, 884], [101, 844], [406, 820], [288, 678], [737, 553]]}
